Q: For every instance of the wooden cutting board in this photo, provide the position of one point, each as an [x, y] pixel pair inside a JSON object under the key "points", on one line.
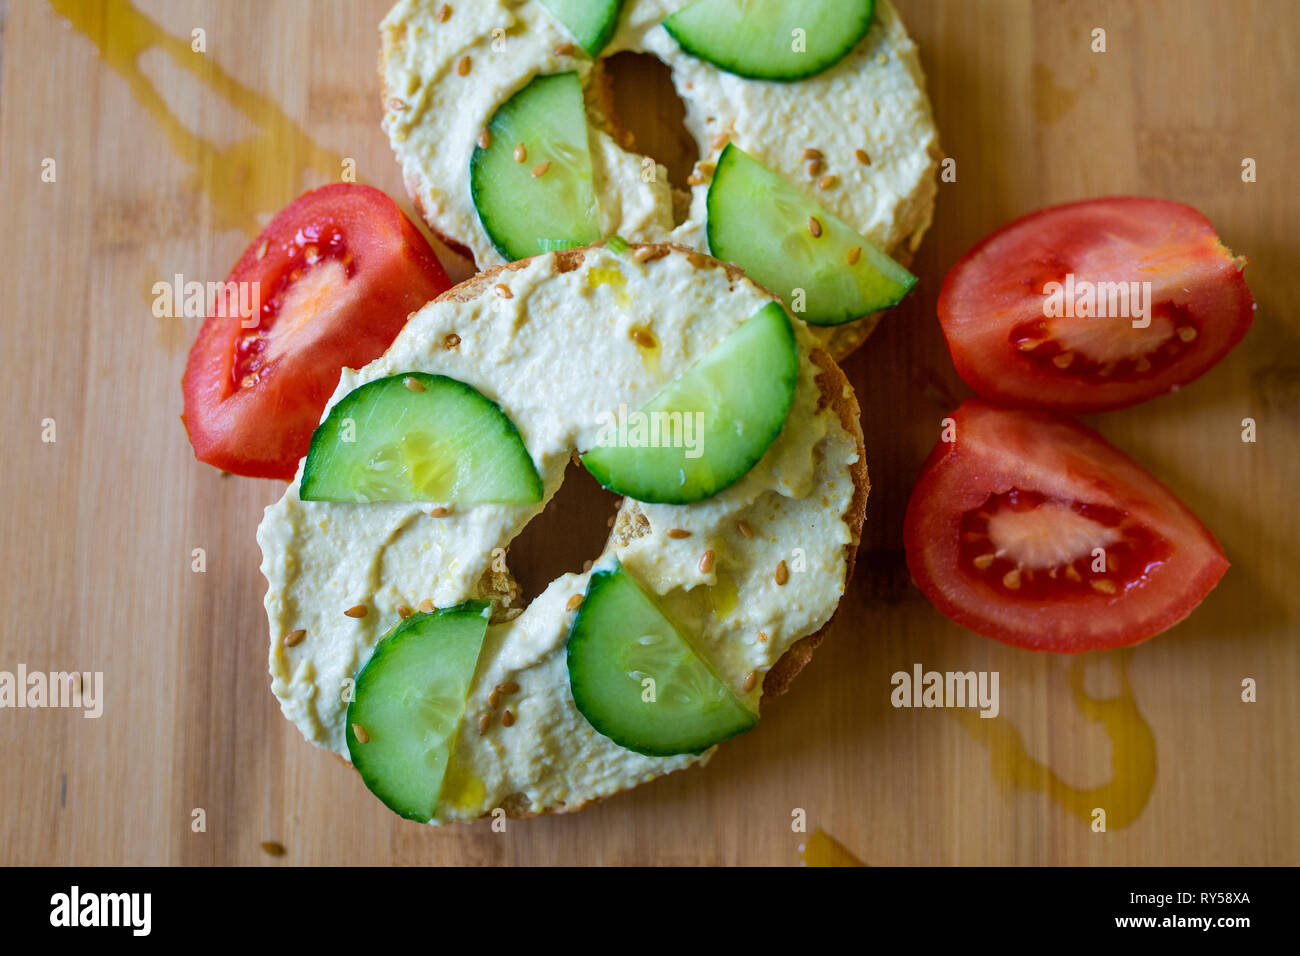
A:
{"points": [[166, 160]]}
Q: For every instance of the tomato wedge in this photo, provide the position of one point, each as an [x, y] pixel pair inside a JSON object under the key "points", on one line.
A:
{"points": [[1031, 529], [335, 273], [1094, 305]]}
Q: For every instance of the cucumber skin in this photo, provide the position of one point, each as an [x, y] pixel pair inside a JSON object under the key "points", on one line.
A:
{"points": [[719, 250], [734, 68], [660, 497], [325, 431], [480, 192], [601, 38], [377, 656], [577, 637]]}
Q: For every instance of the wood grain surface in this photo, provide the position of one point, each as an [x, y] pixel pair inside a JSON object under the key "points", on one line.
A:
{"points": [[167, 160]]}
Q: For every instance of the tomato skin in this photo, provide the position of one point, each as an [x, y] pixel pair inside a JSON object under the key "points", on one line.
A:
{"points": [[998, 449], [385, 271], [999, 283]]}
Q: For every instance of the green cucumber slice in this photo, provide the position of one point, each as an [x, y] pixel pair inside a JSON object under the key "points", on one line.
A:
{"points": [[619, 641], [591, 22], [525, 215], [708, 426], [409, 700], [418, 437], [757, 38], [760, 222]]}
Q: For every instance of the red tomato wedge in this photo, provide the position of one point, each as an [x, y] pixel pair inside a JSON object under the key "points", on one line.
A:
{"points": [[1031, 529], [336, 274], [1042, 313]]}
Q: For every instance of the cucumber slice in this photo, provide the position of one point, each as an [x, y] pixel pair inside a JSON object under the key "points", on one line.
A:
{"points": [[418, 437], [592, 22], [758, 39], [619, 641], [763, 224], [708, 426], [408, 702], [523, 214]]}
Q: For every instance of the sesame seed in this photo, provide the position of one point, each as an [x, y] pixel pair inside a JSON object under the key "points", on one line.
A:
{"points": [[494, 699], [502, 292], [426, 606], [541, 168], [678, 533], [521, 153], [484, 722], [294, 638], [451, 341], [1072, 574], [983, 561], [509, 687], [463, 67], [357, 610], [444, 13], [815, 167], [814, 227], [862, 156], [439, 512], [642, 338], [363, 737], [697, 260], [762, 637], [1187, 333], [694, 179], [1063, 359], [827, 182], [573, 603], [782, 573], [810, 153], [706, 562], [745, 529], [271, 848], [1103, 586], [650, 253], [751, 681], [853, 255], [707, 169], [1011, 579], [565, 49], [507, 719], [484, 139], [413, 384], [404, 611]]}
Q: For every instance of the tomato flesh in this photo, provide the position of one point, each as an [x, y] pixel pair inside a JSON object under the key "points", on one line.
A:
{"points": [[337, 273], [1033, 530], [1109, 262]]}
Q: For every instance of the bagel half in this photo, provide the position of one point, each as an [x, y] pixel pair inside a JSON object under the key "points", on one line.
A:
{"points": [[872, 103], [563, 312]]}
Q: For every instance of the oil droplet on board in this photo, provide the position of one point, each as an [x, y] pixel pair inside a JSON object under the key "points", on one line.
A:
{"points": [[822, 849], [1133, 752], [253, 176]]}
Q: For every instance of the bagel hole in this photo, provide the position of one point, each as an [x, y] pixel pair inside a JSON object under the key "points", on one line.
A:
{"points": [[571, 530], [647, 106]]}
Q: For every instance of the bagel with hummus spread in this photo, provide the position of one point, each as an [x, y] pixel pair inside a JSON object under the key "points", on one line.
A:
{"points": [[397, 636], [817, 148]]}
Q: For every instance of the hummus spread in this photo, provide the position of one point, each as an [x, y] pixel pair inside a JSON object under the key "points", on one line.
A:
{"points": [[558, 356], [868, 115]]}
